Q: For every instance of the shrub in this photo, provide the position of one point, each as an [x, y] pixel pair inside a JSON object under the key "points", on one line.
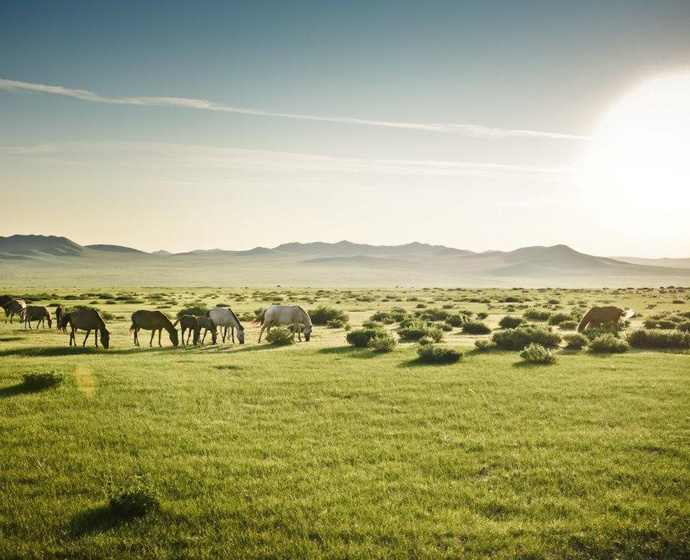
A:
{"points": [[323, 314], [510, 322], [417, 330], [568, 325], [280, 336], [482, 315], [685, 327], [593, 333], [382, 342], [457, 320], [575, 341], [431, 354], [484, 345], [558, 318], [336, 324], [135, 499], [537, 315], [425, 340], [195, 310], [475, 327], [517, 339], [360, 337], [37, 380], [643, 338], [607, 343], [537, 354]]}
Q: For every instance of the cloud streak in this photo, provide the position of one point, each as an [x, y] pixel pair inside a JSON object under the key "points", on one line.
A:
{"points": [[467, 130]]}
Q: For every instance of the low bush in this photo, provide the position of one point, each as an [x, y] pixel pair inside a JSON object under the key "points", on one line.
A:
{"points": [[457, 320], [336, 324], [475, 327], [568, 325], [432, 354], [684, 327], [593, 333], [484, 345], [280, 336], [482, 315], [323, 314], [195, 310], [517, 339], [360, 337], [384, 342], [558, 318], [37, 380], [537, 354], [643, 338], [607, 343], [416, 330], [510, 322], [536, 315], [138, 497], [575, 341]]}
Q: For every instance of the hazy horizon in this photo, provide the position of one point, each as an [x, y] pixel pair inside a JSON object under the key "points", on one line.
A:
{"points": [[239, 125]]}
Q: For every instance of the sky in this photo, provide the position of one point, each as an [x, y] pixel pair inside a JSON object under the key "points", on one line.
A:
{"points": [[198, 125]]}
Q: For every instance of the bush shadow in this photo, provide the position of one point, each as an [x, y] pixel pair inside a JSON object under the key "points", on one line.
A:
{"points": [[351, 351], [94, 520]]}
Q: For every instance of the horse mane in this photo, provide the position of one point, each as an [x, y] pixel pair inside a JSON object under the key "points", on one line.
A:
{"points": [[305, 313], [236, 318]]}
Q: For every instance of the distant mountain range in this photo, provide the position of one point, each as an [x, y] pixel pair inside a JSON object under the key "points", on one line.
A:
{"points": [[38, 259]]}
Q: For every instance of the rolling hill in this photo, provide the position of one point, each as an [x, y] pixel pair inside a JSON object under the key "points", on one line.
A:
{"points": [[37, 259]]}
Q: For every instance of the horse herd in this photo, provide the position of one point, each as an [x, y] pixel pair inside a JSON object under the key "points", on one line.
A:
{"points": [[87, 319]]}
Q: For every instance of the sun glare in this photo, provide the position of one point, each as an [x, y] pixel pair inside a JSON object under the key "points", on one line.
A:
{"points": [[639, 158]]}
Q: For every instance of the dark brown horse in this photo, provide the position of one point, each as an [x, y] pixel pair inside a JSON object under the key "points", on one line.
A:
{"points": [[14, 307], [207, 324], [86, 320], [38, 313], [59, 313], [189, 323], [597, 316], [152, 321]]}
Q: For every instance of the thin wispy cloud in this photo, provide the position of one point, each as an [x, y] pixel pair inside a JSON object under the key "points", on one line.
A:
{"points": [[170, 156], [468, 130]]}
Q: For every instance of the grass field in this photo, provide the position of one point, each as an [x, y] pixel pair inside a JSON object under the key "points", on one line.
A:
{"points": [[321, 449]]}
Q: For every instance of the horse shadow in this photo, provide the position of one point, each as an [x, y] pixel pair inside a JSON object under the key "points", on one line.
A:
{"points": [[51, 351]]}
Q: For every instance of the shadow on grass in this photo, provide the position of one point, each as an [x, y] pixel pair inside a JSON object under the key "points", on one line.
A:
{"points": [[416, 363], [21, 389], [10, 338], [351, 351], [51, 351], [95, 520], [532, 365]]}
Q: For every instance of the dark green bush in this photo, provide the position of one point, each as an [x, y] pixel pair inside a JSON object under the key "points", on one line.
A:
{"points": [[384, 342], [593, 333], [336, 324], [517, 339], [558, 318], [510, 322], [457, 320], [575, 341], [417, 330], [37, 380], [195, 310], [536, 315], [134, 499], [323, 314], [643, 338], [360, 337], [484, 345], [567, 325], [536, 354], [431, 354], [684, 327], [475, 327], [280, 336], [608, 343]]}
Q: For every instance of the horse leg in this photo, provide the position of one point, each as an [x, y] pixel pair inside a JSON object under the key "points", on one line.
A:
{"points": [[160, 332], [298, 327], [153, 332], [262, 331], [136, 336], [88, 332], [232, 331], [95, 337]]}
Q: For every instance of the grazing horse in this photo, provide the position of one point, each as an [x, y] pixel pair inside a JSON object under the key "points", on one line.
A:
{"points": [[14, 307], [37, 313], [208, 325], [87, 320], [59, 313], [597, 316], [4, 300], [189, 323], [225, 318], [152, 321], [285, 315]]}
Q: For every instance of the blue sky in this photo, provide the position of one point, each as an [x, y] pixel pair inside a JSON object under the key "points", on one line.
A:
{"points": [[548, 67]]}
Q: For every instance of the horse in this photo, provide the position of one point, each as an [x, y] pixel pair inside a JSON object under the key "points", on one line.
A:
{"points": [[189, 323], [59, 312], [4, 300], [286, 315], [208, 325], [597, 316], [152, 321], [225, 317], [87, 320], [14, 307], [37, 313]]}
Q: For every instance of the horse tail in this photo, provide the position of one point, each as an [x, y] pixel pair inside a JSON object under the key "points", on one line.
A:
{"points": [[584, 322], [628, 313], [260, 319], [132, 328]]}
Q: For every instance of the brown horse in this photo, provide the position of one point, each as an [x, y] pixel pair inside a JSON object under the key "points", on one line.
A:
{"points": [[59, 313], [207, 324], [152, 321], [189, 323], [4, 300], [87, 320], [37, 313], [597, 316], [14, 307]]}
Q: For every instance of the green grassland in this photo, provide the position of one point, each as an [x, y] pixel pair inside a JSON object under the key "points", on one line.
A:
{"points": [[321, 449]]}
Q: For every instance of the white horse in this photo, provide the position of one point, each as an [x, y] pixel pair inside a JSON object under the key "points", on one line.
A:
{"points": [[285, 315], [225, 318]]}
